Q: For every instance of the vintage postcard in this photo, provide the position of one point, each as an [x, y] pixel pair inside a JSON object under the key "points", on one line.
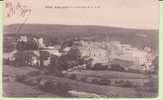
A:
{"points": [[81, 48]]}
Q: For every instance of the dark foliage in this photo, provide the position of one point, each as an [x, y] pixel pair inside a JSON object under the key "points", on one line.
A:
{"points": [[73, 76], [30, 45], [101, 81], [116, 67], [55, 87], [99, 66]]}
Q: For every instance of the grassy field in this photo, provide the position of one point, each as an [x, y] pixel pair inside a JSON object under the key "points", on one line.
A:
{"points": [[109, 74], [16, 89], [108, 91], [13, 88]]}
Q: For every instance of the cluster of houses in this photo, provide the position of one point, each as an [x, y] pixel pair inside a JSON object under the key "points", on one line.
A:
{"points": [[100, 52], [118, 53]]}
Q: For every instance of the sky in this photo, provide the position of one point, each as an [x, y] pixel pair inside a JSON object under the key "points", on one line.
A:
{"points": [[140, 14]]}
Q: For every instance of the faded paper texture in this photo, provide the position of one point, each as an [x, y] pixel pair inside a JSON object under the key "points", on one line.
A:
{"points": [[81, 48]]}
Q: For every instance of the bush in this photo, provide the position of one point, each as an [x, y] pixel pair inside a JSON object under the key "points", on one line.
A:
{"points": [[151, 85], [73, 76], [7, 62], [55, 87], [123, 83], [63, 89], [105, 82], [20, 78], [128, 84], [99, 66], [116, 67], [101, 81], [83, 79], [95, 81], [34, 73]]}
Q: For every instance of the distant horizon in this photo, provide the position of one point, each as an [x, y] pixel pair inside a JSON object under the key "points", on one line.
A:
{"points": [[130, 28]]}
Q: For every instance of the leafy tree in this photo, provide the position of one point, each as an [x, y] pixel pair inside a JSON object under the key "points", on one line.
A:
{"points": [[63, 62], [29, 45], [74, 54], [71, 59]]}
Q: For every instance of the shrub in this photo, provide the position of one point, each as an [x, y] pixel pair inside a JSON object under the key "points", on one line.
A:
{"points": [[55, 87], [101, 81], [34, 73], [95, 81], [72, 76], [151, 85], [105, 82], [128, 84], [7, 62], [20, 78], [123, 83], [83, 79], [62, 89], [99, 66], [116, 67]]}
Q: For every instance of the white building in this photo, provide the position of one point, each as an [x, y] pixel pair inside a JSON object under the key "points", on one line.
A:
{"points": [[41, 42], [99, 53]]}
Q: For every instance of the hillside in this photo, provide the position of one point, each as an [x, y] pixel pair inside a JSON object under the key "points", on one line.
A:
{"points": [[135, 37]]}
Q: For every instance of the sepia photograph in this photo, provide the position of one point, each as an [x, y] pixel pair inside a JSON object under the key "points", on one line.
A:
{"points": [[81, 48]]}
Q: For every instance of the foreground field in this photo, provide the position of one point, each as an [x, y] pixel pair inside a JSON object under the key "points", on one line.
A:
{"points": [[13, 88], [110, 74]]}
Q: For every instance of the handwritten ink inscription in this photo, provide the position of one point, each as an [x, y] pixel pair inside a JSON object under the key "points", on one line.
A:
{"points": [[16, 9]]}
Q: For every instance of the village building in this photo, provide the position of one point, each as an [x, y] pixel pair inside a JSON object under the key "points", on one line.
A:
{"points": [[51, 52], [99, 52], [104, 52], [41, 43], [23, 38]]}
